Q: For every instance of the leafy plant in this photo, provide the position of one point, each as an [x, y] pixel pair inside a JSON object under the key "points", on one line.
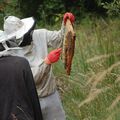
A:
{"points": [[113, 8]]}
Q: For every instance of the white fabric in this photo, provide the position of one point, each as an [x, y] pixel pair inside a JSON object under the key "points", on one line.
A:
{"points": [[1, 32], [42, 39], [14, 27], [35, 54], [4, 37], [7, 51], [43, 76]]}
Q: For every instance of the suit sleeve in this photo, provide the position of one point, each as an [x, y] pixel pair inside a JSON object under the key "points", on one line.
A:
{"points": [[55, 38]]}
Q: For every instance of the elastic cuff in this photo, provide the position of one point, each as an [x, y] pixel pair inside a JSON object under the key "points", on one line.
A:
{"points": [[47, 61]]}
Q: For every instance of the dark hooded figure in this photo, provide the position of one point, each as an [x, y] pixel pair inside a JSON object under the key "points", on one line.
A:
{"points": [[18, 95]]}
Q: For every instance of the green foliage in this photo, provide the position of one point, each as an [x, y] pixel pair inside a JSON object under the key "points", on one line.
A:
{"points": [[51, 11], [8, 7], [29, 7], [113, 8]]}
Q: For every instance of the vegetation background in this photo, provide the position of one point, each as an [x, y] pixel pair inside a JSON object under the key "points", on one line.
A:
{"points": [[92, 91]]}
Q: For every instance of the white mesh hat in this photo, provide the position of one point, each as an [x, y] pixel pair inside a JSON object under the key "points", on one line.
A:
{"points": [[15, 27]]}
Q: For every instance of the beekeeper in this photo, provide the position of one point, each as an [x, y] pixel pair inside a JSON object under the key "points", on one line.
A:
{"points": [[34, 44]]}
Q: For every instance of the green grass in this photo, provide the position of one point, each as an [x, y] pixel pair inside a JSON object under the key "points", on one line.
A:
{"points": [[92, 91]]}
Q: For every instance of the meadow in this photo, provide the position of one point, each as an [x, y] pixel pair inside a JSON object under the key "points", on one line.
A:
{"points": [[92, 91]]}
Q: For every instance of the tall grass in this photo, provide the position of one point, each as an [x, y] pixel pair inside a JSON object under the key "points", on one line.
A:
{"points": [[92, 91]]}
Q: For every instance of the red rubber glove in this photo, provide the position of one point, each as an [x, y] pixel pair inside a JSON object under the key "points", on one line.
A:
{"points": [[53, 56], [69, 16]]}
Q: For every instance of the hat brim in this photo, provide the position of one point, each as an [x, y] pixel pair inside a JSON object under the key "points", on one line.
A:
{"points": [[5, 37], [27, 25]]}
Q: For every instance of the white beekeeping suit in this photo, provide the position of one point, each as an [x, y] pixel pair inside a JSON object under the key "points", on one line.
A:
{"points": [[35, 52]]}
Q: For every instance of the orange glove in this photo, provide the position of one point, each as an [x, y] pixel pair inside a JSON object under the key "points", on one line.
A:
{"points": [[53, 56], [69, 16]]}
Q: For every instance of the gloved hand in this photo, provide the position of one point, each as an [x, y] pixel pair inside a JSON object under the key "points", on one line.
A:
{"points": [[53, 56], [69, 16]]}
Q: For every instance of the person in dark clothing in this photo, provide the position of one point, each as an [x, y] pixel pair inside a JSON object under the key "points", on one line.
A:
{"points": [[18, 95]]}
